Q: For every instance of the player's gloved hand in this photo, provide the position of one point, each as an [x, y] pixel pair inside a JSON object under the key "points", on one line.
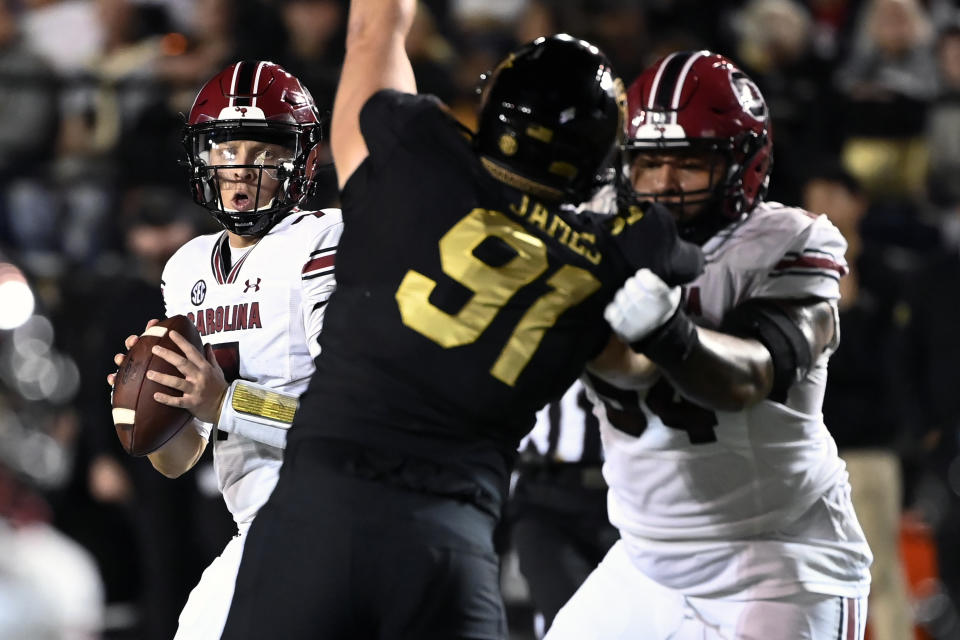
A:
{"points": [[646, 313], [652, 241], [642, 304]]}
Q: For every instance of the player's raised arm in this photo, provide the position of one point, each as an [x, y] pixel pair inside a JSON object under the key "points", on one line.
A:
{"points": [[375, 59]]}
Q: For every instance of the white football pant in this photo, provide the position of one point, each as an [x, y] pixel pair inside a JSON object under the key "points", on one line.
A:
{"points": [[207, 607], [618, 602]]}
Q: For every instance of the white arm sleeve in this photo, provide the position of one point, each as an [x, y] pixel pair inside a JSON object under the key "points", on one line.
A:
{"points": [[257, 412], [318, 283]]}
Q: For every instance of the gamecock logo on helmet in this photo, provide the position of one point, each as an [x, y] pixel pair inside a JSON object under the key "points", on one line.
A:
{"points": [[749, 96]]}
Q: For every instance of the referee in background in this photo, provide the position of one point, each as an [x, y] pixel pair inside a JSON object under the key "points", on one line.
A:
{"points": [[558, 510]]}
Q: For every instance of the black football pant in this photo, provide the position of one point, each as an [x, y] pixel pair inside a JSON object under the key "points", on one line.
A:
{"points": [[560, 531], [335, 555]]}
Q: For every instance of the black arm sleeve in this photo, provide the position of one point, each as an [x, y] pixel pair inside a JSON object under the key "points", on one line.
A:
{"points": [[772, 326]]}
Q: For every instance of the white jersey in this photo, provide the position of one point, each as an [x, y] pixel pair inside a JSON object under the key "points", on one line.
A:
{"points": [[261, 311], [694, 503]]}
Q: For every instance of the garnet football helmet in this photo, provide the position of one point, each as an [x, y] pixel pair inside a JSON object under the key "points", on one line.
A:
{"points": [[700, 102], [551, 118], [256, 101]]}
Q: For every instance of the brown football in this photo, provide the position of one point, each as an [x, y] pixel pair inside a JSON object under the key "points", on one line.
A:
{"points": [[143, 424]]}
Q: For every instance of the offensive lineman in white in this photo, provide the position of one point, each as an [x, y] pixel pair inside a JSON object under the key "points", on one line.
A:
{"points": [[256, 292], [732, 504]]}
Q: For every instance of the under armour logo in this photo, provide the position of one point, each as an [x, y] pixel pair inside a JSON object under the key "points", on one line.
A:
{"points": [[255, 285]]}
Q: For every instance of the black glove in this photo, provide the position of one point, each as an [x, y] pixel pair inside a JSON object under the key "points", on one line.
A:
{"points": [[646, 235]]}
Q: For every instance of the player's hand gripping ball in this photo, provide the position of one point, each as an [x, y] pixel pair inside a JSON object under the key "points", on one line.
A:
{"points": [[143, 424]]}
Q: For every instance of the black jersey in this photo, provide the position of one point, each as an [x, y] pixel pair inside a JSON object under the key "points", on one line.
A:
{"points": [[462, 305]]}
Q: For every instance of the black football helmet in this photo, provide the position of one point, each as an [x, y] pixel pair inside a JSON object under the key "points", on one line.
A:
{"points": [[551, 119]]}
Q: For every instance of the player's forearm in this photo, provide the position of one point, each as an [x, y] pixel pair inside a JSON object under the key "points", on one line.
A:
{"points": [[622, 367], [375, 59], [257, 412], [723, 372], [371, 22], [179, 455], [765, 346]]}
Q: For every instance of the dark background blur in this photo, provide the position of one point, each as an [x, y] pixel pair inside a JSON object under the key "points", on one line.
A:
{"points": [[865, 97]]}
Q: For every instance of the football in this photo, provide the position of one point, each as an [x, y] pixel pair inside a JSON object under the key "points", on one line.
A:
{"points": [[143, 424]]}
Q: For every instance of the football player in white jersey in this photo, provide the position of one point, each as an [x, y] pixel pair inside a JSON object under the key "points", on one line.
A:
{"points": [[256, 293], [733, 506]]}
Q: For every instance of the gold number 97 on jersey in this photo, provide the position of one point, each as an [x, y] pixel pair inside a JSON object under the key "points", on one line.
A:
{"points": [[492, 288]]}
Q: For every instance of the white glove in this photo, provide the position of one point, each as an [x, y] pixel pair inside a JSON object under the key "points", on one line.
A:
{"points": [[642, 304]]}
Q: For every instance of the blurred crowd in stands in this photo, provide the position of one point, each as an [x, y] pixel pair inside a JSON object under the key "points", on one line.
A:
{"points": [[865, 97]]}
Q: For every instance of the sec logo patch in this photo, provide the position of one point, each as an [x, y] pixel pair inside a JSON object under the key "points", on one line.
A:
{"points": [[199, 292]]}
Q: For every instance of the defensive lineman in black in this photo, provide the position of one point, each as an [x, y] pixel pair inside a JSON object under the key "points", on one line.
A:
{"points": [[466, 300]]}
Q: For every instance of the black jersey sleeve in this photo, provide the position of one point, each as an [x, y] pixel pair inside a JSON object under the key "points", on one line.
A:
{"points": [[647, 237], [403, 132], [391, 118]]}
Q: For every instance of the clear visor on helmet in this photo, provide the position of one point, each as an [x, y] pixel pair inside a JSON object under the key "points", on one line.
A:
{"points": [[245, 167], [248, 147]]}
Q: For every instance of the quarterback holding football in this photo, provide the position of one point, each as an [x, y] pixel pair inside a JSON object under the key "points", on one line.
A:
{"points": [[256, 293]]}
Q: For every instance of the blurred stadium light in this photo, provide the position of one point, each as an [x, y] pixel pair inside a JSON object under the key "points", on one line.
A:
{"points": [[16, 298]]}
